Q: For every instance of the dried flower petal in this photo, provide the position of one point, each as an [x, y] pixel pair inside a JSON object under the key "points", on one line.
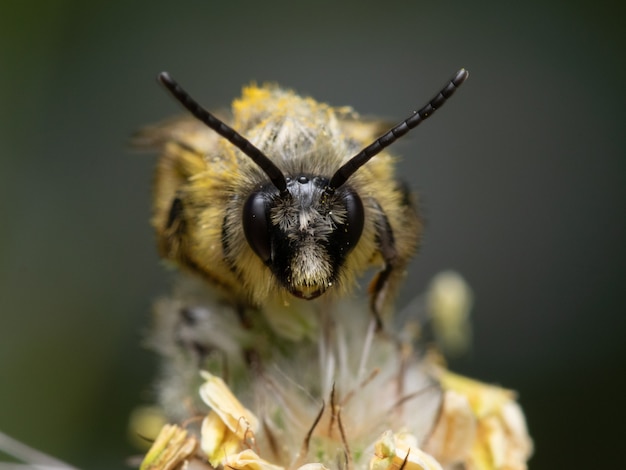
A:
{"points": [[171, 450], [229, 426], [501, 439], [400, 451], [313, 466], [215, 393], [217, 441], [249, 460], [455, 432]]}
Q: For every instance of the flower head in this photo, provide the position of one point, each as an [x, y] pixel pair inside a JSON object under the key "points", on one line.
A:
{"points": [[336, 395]]}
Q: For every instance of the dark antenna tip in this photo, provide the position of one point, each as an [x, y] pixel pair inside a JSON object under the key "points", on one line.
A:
{"points": [[460, 77], [164, 77], [274, 173], [361, 158]]}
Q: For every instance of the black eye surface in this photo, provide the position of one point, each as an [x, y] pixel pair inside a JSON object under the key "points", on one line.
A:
{"points": [[350, 232], [256, 225]]}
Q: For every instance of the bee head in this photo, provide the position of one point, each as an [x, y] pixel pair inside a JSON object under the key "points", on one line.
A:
{"points": [[304, 233], [304, 226]]}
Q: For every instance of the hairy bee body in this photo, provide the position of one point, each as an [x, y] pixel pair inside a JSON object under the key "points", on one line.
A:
{"points": [[203, 183]]}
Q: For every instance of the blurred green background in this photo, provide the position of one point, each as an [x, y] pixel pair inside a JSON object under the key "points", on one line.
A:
{"points": [[522, 175]]}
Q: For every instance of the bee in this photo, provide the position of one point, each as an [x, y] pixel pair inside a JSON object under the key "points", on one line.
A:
{"points": [[283, 197]]}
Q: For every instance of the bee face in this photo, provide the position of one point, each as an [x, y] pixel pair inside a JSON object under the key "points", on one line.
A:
{"points": [[305, 233], [292, 210]]}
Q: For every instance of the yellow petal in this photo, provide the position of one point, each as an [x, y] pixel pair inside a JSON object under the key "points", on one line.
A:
{"points": [[171, 449], [521, 445], [392, 452], [249, 460], [455, 431], [215, 393], [217, 441], [484, 399], [501, 439], [313, 466], [384, 452]]}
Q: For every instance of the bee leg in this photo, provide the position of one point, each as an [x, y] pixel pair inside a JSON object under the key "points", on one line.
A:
{"points": [[380, 286]]}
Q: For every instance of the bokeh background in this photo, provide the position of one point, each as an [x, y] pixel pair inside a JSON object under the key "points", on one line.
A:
{"points": [[522, 175]]}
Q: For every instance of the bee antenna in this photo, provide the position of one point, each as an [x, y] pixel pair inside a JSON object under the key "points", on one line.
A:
{"points": [[361, 158], [271, 170]]}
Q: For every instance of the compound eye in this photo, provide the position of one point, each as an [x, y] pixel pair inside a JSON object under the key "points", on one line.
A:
{"points": [[256, 225], [353, 227]]}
